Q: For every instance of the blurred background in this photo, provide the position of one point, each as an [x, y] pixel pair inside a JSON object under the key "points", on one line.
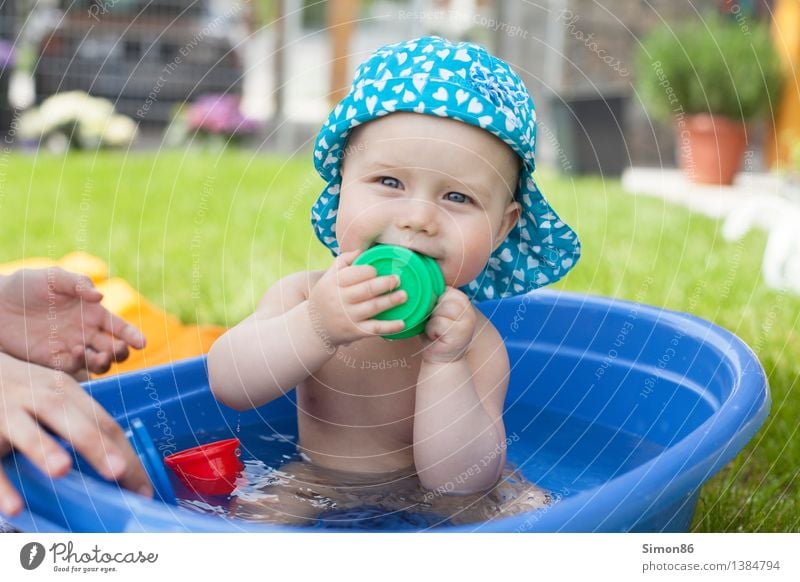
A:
{"points": [[289, 61], [164, 148]]}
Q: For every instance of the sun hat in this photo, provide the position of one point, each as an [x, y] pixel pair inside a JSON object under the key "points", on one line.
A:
{"points": [[461, 81]]}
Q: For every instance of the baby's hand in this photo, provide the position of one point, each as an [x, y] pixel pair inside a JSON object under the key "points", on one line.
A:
{"points": [[53, 318], [450, 329], [347, 297]]}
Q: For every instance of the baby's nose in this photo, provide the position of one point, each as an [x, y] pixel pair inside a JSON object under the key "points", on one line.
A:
{"points": [[418, 216]]}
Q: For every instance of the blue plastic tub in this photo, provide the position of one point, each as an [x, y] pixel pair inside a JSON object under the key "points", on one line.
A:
{"points": [[688, 392]]}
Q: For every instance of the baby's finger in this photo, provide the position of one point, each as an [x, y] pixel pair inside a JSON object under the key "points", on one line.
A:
{"points": [[123, 330], [380, 327], [371, 288], [346, 259], [373, 307], [355, 274], [10, 501], [437, 327], [450, 310]]}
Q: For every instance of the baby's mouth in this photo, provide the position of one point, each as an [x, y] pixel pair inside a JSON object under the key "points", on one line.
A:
{"points": [[411, 247]]}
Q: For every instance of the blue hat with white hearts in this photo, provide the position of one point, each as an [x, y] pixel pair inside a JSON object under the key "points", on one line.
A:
{"points": [[461, 81]]}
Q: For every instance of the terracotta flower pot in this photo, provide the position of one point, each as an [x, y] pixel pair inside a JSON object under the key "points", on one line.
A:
{"points": [[710, 148]]}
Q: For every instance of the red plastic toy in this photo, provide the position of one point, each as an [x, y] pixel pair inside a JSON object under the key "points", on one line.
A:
{"points": [[209, 469]]}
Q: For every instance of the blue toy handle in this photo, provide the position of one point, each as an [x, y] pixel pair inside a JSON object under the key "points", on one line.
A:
{"points": [[151, 461]]}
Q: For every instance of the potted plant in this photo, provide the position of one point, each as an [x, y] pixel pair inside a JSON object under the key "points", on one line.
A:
{"points": [[709, 78]]}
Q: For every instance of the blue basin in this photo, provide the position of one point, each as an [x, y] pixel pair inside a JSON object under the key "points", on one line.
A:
{"points": [[687, 393]]}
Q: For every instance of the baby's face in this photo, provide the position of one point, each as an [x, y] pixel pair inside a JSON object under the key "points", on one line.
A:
{"points": [[435, 185]]}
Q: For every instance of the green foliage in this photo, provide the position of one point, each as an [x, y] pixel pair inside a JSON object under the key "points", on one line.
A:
{"points": [[714, 65], [201, 234]]}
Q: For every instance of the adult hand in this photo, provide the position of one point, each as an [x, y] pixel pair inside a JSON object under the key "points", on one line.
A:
{"points": [[53, 318], [32, 397]]}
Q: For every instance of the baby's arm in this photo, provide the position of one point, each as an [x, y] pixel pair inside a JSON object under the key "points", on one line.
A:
{"points": [[271, 351], [296, 330], [459, 435]]}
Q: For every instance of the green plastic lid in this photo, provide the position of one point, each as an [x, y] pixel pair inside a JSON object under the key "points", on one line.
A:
{"points": [[420, 278]]}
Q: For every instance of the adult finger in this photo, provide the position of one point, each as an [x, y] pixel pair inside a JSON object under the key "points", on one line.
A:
{"points": [[10, 501], [27, 436], [97, 362], [115, 349], [69, 416], [66, 360], [123, 330], [73, 284], [81, 375], [134, 476]]}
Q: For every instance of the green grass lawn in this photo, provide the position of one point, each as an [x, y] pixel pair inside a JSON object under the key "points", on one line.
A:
{"points": [[205, 234]]}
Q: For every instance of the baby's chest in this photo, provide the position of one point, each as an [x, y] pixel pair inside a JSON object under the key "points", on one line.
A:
{"points": [[360, 386]]}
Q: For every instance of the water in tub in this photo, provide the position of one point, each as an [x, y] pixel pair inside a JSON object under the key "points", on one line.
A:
{"points": [[550, 456]]}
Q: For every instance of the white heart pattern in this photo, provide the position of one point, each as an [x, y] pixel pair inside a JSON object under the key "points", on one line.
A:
{"points": [[463, 56], [372, 100], [441, 94], [419, 82], [474, 106]]}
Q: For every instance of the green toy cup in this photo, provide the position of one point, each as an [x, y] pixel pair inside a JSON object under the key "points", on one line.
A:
{"points": [[421, 279]]}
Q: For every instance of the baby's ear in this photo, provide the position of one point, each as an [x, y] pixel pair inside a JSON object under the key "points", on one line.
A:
{"points": [[510, 217]]}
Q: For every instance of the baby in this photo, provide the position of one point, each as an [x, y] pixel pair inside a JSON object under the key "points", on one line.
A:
{"points": [[433, 150]]}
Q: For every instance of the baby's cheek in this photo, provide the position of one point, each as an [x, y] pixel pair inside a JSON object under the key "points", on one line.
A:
{"points": [[348, 231], [356, 224], [476, 252]]}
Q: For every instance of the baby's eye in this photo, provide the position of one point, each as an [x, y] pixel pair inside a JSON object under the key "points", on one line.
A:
{"points": [[457, 197], [389, 182]]}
